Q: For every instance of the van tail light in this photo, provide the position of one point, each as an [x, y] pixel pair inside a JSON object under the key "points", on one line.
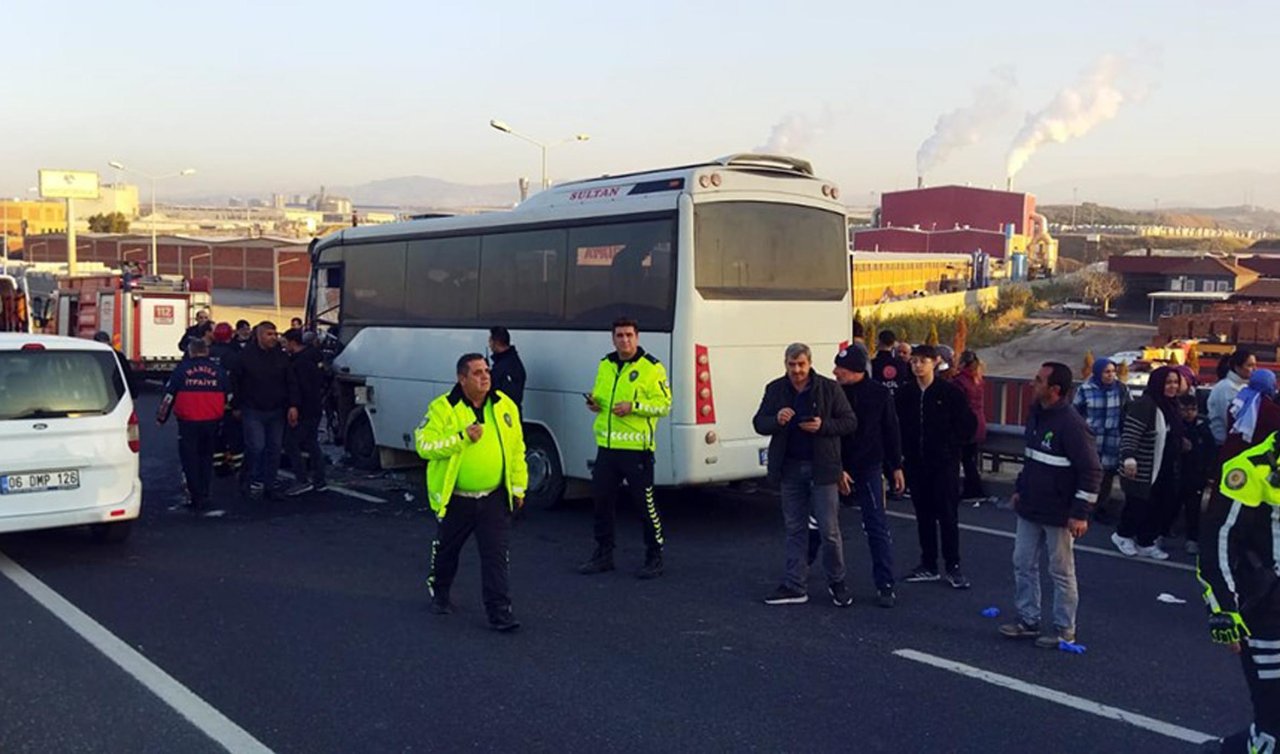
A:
{"points": [[32, 346], [135, 441], [704, 401]]}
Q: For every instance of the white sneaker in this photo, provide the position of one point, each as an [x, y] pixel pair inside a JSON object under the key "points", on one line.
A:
{"points": [[1193, 547], [1125, 545], [1154, 552]]}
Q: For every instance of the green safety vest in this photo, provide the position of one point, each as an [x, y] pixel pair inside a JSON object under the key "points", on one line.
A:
{"points": [[1247, 476], [442, 435], [641, 381]]}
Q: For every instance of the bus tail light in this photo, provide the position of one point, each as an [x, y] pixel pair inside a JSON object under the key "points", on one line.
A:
{"points": [[704, 400], [135, 438]]}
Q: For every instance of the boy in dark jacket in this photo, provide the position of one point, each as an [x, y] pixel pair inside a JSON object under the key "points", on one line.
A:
{"points": [[805, 415], [936, 422], [1194, 469], [1055, 492]]}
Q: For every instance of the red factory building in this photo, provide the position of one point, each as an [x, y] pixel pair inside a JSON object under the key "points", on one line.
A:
{"points": [[952, 219], [249, 264]]}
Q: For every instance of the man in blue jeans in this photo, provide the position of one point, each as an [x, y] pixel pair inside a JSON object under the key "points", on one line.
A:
{"points": [[1055, 492], [265, 399], [805, 415], [873, 451]]}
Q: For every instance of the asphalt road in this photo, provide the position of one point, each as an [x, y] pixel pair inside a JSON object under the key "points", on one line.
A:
{"points": [[304, 626]]}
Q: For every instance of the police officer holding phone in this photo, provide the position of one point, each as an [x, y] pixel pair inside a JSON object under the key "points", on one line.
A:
{"points": [[629, 397]]}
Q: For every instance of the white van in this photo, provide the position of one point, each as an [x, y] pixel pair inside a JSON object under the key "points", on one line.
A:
{"points": [[68, 437]]}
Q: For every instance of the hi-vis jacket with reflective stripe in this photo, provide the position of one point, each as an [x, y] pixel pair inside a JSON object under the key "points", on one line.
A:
{"points": [[442, 435], [642, 381], [1062, 473], [1240, 536]]}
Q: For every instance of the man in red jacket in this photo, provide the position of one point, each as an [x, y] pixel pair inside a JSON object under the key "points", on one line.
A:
{"points": [[197, 394]]}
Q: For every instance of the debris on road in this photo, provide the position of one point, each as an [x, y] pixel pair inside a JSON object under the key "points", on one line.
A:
{"points": [[1169, 599]]}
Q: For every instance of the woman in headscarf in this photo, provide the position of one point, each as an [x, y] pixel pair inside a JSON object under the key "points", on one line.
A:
{"points": [[1150, 443], [1253, 415], [1233, 374], [1102, 400]]}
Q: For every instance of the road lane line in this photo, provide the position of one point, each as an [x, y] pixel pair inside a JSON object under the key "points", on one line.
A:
{"points": [[341, 490], [1078, 547], [1059, 697], [197, 711]]}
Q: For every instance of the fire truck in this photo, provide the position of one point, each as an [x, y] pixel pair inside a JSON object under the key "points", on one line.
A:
{"points": [[145, 315]]}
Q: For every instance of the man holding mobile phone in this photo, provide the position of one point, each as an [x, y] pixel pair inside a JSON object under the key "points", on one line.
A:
{"points": [[629, 397], [805, 415]]}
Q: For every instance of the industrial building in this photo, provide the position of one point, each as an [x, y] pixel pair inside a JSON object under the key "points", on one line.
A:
{"points": [[879, 277], [963, 220]]}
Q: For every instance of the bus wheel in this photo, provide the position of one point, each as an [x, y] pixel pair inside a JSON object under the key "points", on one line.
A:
{"points": [[546, 477], [360, 445]]}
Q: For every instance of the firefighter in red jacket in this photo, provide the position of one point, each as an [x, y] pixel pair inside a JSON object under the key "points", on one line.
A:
{"points": [[197, 394]]}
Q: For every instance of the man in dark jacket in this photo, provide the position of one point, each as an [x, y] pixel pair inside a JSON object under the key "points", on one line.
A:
{"points": [[507, 369], [266, 398], [886, 367], [197, 394], [308, 370], [936, 422], [805, 415], [1055, 492], [873, 451], [228, 457], [197, 330]]}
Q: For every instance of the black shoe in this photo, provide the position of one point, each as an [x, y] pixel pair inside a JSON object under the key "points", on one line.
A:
{"points": [[300, 489], [840, 595], [601, 561], [886, 598], [956, 579], [785, 595], [503, 622], [652, 567], [1020, 630], [921, 574], [441, 606], [255, 490]]}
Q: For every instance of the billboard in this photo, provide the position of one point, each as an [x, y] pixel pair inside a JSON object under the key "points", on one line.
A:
{"points": [[68, 184]]}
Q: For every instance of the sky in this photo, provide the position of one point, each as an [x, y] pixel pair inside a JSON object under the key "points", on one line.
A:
{"points": [[264, 97]]}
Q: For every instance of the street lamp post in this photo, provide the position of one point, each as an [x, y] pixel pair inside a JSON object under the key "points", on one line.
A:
{"points": [[543, 146], [191, 265], [155, 265]]}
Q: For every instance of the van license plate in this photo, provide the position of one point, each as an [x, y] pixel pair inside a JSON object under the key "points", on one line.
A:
{"points": [[40, 481], [764, 456]]}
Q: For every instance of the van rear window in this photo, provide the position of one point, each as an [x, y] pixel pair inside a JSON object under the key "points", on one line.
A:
{"points": [[57, 384]]}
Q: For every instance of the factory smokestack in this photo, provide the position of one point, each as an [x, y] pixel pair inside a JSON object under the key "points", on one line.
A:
{"points": [[919, 181], [1008, 183]]}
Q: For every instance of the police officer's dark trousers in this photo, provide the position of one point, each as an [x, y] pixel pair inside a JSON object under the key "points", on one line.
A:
{"points": [[490, 518], [196, 441], [611, 469]]}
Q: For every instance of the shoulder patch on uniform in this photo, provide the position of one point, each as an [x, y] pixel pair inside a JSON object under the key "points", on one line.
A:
{"points": [[635, 375], [1236, 479], [507, 418]]}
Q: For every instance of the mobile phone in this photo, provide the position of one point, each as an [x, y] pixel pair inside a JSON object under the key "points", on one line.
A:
{"points": [[589, 398], [803, 419]]}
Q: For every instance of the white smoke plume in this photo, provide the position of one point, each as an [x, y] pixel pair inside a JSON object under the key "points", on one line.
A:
{"points": [[1095, 98], [967, 125], [795, 132]]}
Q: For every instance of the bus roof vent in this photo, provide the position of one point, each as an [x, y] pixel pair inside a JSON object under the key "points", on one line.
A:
{"points": [[769, 161]]}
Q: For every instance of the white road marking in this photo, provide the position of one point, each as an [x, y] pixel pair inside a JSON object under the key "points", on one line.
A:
{"points": [[341, 490], [1058, 697], [1078, 547], [200, 713]]}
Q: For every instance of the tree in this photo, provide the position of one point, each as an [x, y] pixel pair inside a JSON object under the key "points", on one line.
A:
{"points": [[113, 222], [961, 341], [933, 334], [1088, 365], [1103, 286]]}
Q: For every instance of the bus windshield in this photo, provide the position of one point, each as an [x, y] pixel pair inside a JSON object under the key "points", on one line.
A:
{"points": [[769, 251]]}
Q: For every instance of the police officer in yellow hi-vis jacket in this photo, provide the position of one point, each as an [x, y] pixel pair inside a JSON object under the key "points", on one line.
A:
{"points": [[629, 396], [476, 477]]}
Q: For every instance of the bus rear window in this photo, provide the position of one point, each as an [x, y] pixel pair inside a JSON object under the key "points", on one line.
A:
{"points": [[769, 251]]}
